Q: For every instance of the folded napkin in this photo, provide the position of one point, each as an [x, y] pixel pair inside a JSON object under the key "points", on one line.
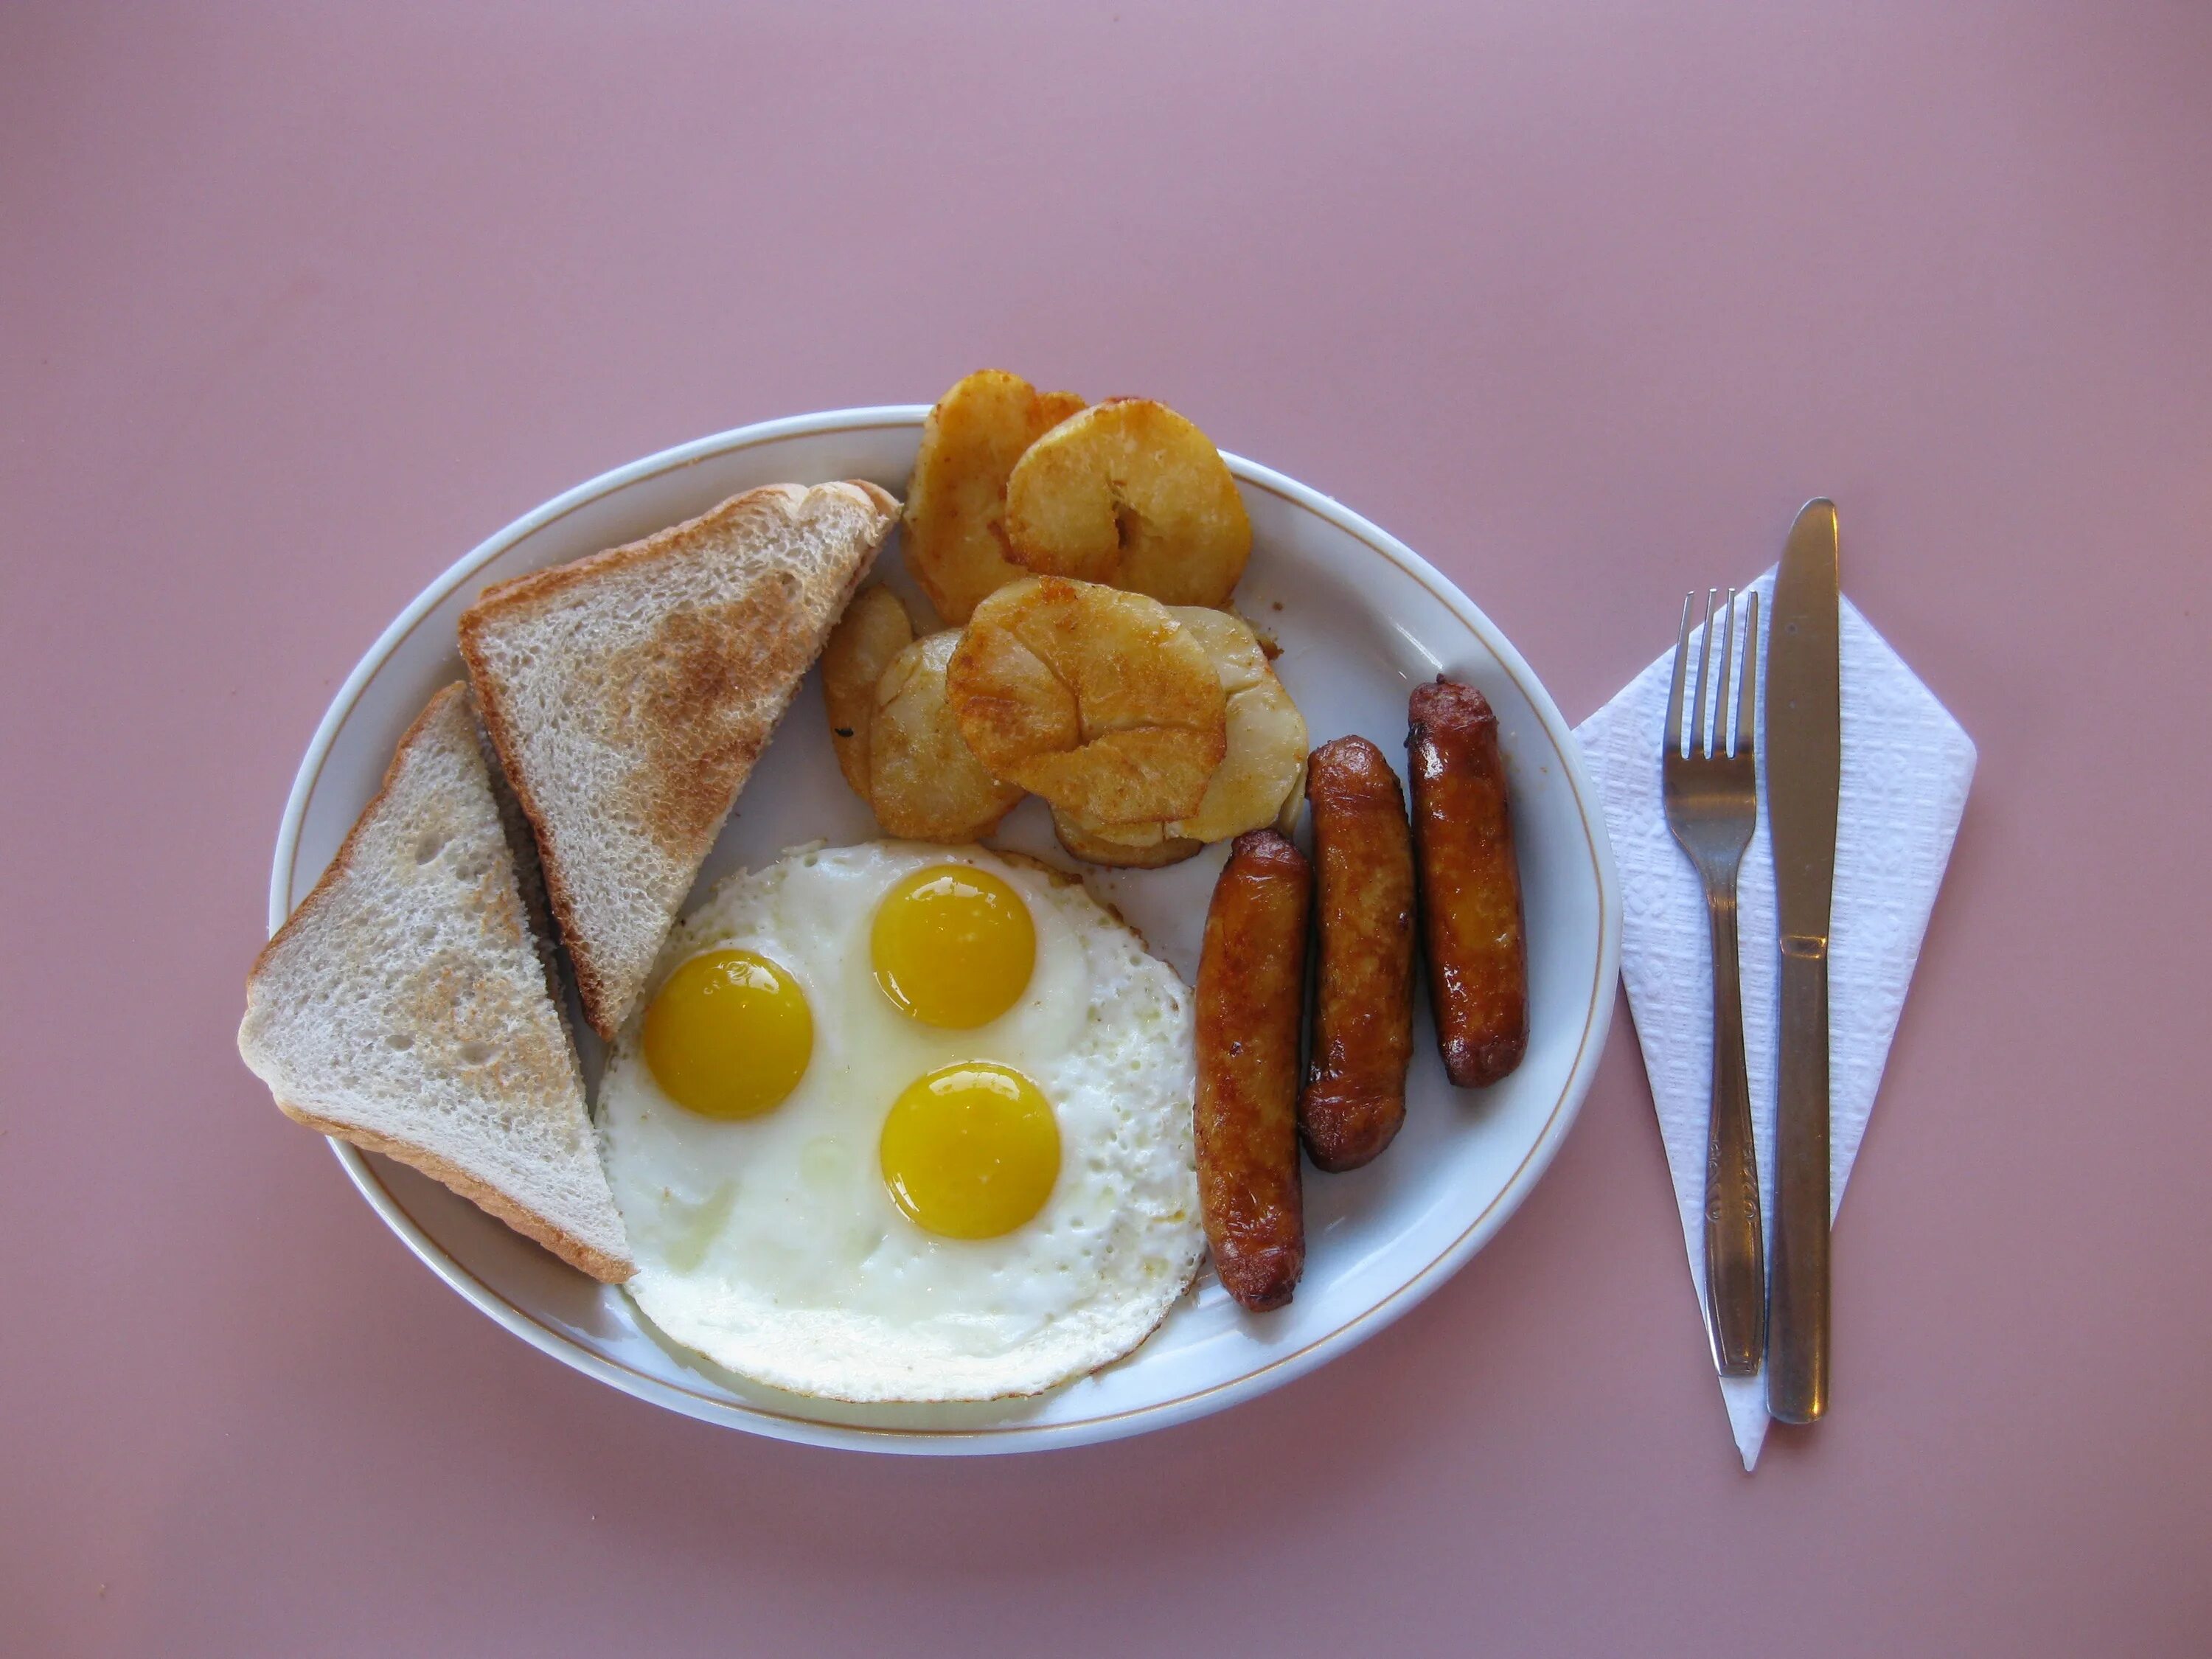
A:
{"points": [[1907, 766]]}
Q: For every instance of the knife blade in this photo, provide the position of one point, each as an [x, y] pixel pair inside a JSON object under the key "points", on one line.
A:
{"points": [[1804, 764]]}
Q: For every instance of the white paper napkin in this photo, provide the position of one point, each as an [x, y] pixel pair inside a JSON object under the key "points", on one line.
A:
{"points": [[1906, 768]]}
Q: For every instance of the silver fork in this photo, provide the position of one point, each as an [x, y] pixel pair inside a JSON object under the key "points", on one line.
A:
{"points": [[1712, 804]]}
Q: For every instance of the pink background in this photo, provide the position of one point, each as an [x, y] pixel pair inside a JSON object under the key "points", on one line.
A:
{"points": [[1581, 302]]}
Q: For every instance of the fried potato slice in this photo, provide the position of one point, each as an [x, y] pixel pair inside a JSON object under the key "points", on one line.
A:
{"points": [[1294, 805], [874, 630], [1262, 777], [924, 782], [1130, 494], [1083, 843], [1266, 758], [1099, 700], [955, 514]]}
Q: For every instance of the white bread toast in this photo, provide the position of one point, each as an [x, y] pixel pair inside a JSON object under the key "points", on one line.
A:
{"points": [[629, 693], [404, 1007]]}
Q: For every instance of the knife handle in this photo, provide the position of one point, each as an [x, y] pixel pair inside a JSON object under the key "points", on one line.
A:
{"points": [[1735, 1270], [1797, 1298]]}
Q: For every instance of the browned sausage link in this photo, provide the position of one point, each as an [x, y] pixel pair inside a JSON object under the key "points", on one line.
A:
{"points": [[1362, 1032], [1251, 993], [1471, 927]]}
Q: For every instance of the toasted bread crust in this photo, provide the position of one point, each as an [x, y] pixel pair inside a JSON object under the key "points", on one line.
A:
{"points": [[539, 585], [691, 674], [607, 1269], [341, 864]]}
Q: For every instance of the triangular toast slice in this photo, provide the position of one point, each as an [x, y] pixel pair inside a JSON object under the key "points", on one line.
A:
{"points": [[406, 1006], [628, 695]]}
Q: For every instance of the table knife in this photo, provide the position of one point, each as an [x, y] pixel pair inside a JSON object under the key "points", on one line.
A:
{"points": [[1804, 758]]}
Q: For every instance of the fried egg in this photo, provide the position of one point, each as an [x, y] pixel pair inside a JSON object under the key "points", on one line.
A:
{"points": [[900, 1122]]}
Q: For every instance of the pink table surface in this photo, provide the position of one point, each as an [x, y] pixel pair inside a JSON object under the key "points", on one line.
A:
{"points": [[1581, 302]]}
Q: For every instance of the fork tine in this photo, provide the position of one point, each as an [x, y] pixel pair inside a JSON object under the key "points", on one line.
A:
{"points": [[1700, 744], [1681, 664], [1746, 700], [1724, 725]]}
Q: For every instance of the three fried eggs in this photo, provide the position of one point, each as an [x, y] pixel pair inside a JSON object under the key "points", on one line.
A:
{"points": [[905, 1123]]}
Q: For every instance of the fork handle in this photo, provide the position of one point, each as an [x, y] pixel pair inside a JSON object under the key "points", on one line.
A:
{"points": [[1736, 1267]]}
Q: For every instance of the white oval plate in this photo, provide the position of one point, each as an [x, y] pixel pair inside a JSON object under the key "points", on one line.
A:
{"points": [[1361, 620]]}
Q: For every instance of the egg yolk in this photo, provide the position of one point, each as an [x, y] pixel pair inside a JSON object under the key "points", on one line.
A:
{"points": [[970, 1150], [729, 1035], [953, 947]]}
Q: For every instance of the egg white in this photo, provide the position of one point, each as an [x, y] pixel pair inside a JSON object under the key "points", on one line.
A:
{"points": [[771, 1246]]}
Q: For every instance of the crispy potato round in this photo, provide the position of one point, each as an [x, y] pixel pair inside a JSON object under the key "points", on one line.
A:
{"points": [[1261, 778], [874, 630], [955, 514], [1083, 843], [924, 782], [1130, 494], [1099, 700], [1265, 759], [1294, 805]]}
